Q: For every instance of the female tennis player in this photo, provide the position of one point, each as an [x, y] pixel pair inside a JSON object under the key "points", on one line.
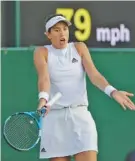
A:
{"points": [[68, 128]]}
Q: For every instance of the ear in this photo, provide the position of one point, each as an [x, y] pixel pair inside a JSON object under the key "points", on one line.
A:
{"points": [[48, 35]]}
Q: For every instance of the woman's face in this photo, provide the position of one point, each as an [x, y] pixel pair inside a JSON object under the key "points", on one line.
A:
{"points": [[59, 35]]}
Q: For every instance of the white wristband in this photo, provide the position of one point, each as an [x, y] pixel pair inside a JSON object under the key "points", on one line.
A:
{"points": [[109, 89], [43, 95]]}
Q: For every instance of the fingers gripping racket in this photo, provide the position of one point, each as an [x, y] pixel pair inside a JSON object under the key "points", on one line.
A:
{"points": [[22, 130]]}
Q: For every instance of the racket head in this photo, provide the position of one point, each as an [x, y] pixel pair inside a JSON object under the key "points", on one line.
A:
{"points": [[22, 131]]}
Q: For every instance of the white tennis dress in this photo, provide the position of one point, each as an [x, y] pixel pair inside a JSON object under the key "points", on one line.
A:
{"points": [[69, 127]]}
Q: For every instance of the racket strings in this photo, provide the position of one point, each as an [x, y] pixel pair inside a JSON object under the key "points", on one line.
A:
{"points": [[21, 131]]}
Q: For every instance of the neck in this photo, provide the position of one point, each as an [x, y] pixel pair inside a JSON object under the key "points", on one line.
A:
{"points": [[60, 48]]}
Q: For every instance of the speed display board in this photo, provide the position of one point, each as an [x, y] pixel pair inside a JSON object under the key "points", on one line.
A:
{"points": [[98, 24]]}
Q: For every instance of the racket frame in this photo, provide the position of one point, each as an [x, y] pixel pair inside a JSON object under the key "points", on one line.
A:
{"points": [[50, 103], [31, 114]]}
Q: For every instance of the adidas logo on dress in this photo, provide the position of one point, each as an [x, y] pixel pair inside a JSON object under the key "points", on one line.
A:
{"points": [[74, 60], [43, 150]]}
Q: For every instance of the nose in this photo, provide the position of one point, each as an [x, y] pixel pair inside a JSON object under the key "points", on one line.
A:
{"points": [[61, 32]]}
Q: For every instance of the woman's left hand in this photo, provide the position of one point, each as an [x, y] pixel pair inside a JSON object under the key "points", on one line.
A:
{"points": [[122, 97]]}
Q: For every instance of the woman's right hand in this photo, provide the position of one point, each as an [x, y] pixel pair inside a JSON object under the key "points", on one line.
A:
{"points": [[43, 103]]}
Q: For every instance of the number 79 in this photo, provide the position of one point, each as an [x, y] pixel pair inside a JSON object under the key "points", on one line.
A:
{"points": [[82, 21]]}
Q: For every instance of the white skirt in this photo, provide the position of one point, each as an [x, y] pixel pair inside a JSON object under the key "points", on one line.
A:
{"points": [[67, 131]]}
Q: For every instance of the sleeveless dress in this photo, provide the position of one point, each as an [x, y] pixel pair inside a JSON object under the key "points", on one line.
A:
{"points": [[69, 127]]}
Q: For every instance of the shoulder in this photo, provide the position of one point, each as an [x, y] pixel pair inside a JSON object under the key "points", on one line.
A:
{"points": [[41, 52], [80, 47]]}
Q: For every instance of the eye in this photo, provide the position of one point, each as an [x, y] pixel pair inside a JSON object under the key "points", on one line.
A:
{"points": [[56, 30]]}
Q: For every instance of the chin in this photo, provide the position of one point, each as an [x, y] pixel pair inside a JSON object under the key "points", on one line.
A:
{"points": [[63, 45]]}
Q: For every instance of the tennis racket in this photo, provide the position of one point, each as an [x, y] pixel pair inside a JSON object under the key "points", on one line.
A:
{"points": [[22, 130]]}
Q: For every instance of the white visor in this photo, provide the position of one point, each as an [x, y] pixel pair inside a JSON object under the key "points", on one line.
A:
{"points": [[55, 20]]}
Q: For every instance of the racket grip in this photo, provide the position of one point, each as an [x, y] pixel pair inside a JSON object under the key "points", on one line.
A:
{"points": [[54, 99], [43, 110]]}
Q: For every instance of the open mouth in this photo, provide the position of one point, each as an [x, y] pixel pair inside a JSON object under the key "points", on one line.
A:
{"points": [[62, 40]]}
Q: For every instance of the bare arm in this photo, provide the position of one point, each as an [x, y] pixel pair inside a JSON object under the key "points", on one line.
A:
{"points": [[40, 62], [96, 78], [122, 97]]}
